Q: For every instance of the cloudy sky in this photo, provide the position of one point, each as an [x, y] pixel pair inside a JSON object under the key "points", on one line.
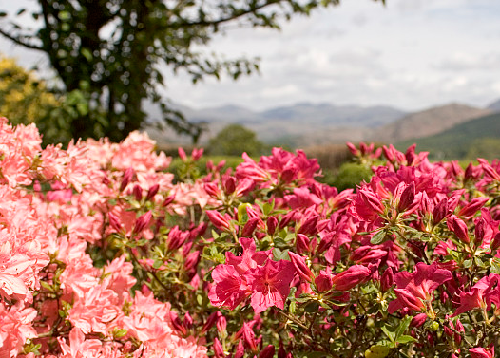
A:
{"points": [[411, 54]]}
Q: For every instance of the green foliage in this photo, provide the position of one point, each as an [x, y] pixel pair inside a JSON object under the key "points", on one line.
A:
{"points": [[468, 140], [26, 99], [350, 175], [199, 167], [114, 74], [233, 140], [487, 148]]}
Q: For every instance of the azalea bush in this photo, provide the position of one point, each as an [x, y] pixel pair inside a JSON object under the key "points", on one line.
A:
{"points": [[103, 254]]}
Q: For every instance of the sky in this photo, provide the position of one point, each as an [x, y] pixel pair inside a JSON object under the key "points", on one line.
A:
{"points": [[411, 54]]}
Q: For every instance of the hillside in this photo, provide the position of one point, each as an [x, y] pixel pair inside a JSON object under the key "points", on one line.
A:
{"points": [[427, 123], [476, 138], [495, 106], [300, 124]]}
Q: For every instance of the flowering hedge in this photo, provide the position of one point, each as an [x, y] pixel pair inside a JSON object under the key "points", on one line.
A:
{"points": [[102, 254]]}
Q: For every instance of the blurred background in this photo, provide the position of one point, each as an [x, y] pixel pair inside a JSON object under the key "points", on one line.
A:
{"points": [[221, 75]]}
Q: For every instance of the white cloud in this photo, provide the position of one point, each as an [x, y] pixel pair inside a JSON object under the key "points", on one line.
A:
{"points": [[410, 53]]}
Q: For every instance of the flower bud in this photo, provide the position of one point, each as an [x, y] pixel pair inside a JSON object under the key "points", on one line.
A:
{"points": [[389, 153], [309, 226], [115, 223], [250, 227], [352, 148], [142, 222], [127, 177], [324, 280], [188, 321], [210, 165], [240, 351], [303, 244], [371, 201], [387, 280], [471, 208], [176, 321], [219, 221], [300, 265], [229, 185], [459, 228], [440, 211], [469, 172], [182, 153], [285, 219], [168, 200], [192, 260], [272, 224], [152, 191], [406, 197], [267, 352], [176, 238], [137, 192], [196, 153], [350, 278], [221, 324], [244, 186], [363, 148], [212, 189], [418, 320], [479, 231], [495, 242], [288, 175], [211, 321], [218, 350]]}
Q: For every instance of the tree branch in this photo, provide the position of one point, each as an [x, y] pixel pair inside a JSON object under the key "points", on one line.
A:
{"points": [[233, 16], [18, 41]]}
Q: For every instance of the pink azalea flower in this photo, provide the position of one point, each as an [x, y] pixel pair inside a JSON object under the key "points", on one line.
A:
{"points": [[270, 284], [482, 352], [350, 278], [479, 295], [228, 289], [415, 289]]}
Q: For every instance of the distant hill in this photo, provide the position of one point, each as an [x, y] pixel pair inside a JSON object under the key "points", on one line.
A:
{"points": [[495, 106], [297, 125], [428, 122], [476, 138]]}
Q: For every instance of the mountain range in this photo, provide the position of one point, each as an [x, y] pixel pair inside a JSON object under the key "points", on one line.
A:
{"points": [[304, 124]]}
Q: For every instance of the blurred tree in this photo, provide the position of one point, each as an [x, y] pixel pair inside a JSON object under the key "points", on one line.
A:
{"points": [[23, 98], [233, 140], [26, 99], [110, 52]]}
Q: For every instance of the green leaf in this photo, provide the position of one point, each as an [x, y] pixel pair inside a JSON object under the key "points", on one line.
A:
{"points": [[267, 208], [157, 264], [312, 306], [495, 265], [405, 339], [391, 335], [3, 14], [118, 333], [403, 326], [86, 53], [281, 255], [378, 237]]}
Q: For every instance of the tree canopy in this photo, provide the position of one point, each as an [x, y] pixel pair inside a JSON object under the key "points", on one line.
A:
{"points": [[110, 53], [233, 140]]}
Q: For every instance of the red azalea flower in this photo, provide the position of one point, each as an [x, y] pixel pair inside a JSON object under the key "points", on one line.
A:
{"points": [[270, 284]]}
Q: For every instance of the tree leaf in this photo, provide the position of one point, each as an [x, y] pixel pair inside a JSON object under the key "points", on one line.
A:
{"points": [[405, 339], [378, 237]]}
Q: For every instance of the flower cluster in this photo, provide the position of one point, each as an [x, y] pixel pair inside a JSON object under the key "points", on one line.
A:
{"points": [[105, 253]]}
